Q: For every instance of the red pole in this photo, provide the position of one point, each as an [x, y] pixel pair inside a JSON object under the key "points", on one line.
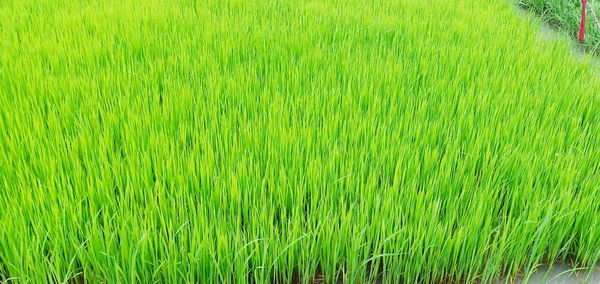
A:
{"points": [[582, 25]]}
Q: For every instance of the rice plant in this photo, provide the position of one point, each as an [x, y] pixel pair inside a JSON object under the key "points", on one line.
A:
{"points": [[264, 141]]}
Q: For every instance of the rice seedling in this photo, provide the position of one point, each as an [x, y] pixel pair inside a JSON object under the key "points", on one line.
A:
{"points": [[288, 141]]}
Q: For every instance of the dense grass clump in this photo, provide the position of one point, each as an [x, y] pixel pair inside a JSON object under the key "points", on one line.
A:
{"points": [[256, 141], [565, 16]]}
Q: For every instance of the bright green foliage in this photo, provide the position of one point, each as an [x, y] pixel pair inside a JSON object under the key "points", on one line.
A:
{"points": [[276, 140]]}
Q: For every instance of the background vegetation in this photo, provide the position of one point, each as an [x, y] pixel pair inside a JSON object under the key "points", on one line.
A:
{"points": [[565, 16]]}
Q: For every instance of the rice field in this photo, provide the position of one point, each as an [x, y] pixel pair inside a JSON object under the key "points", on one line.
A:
{"points": [[296, 141]]}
